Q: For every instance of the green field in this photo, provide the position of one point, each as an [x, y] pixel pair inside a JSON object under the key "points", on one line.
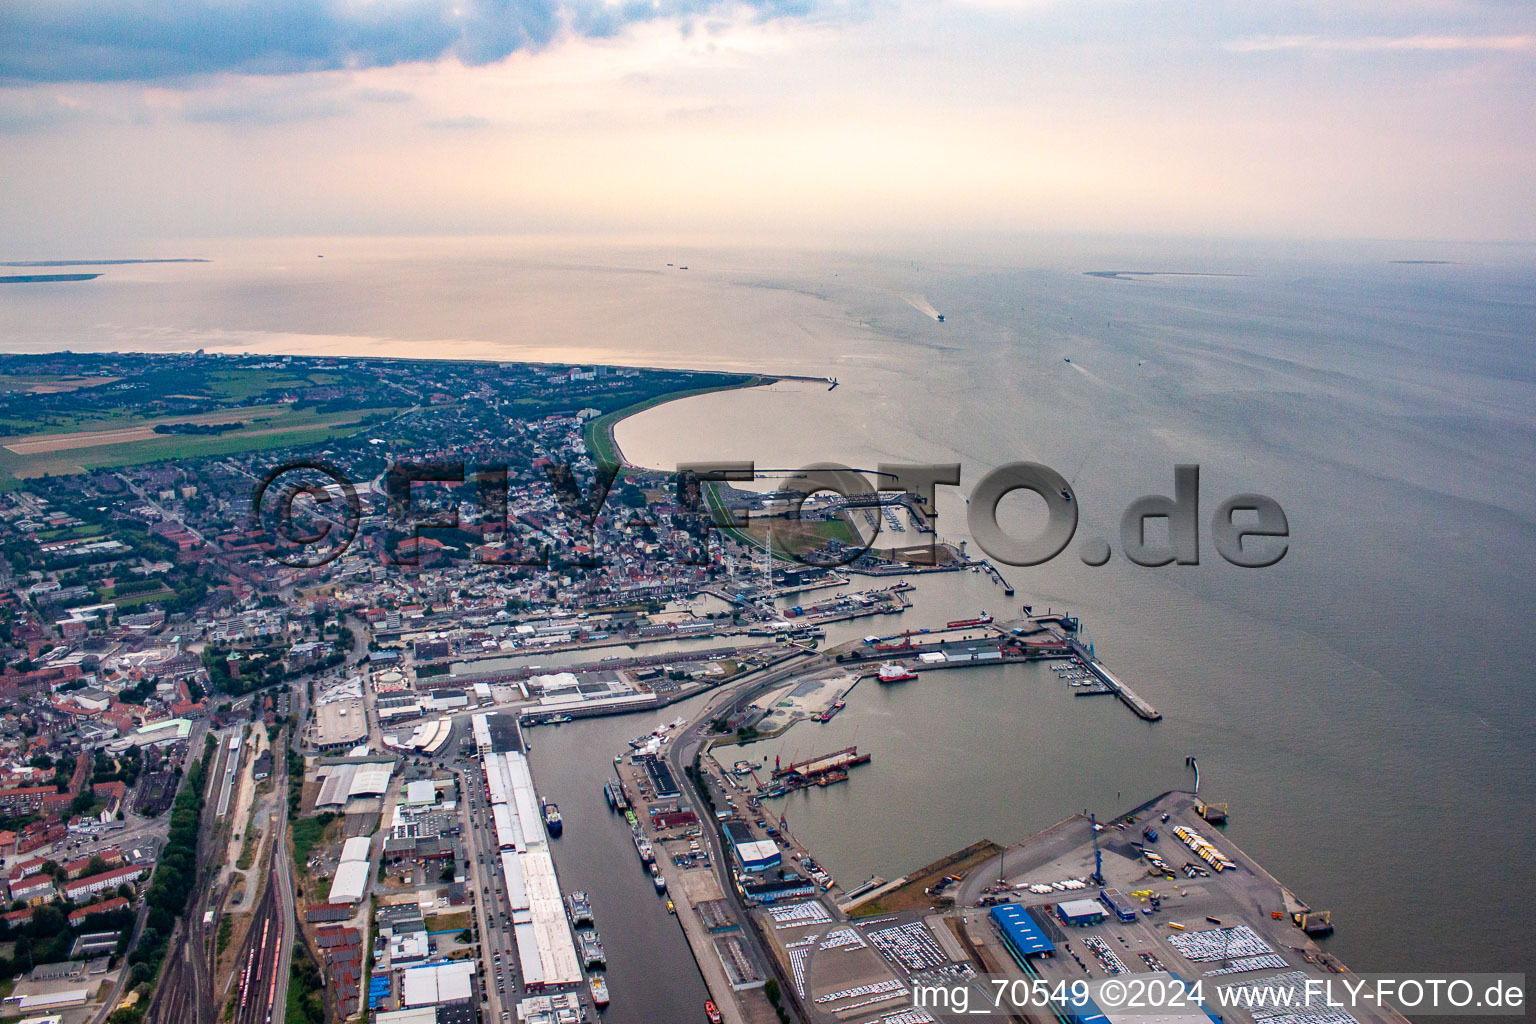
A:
{"points": [[264, 427], [33, 381]]}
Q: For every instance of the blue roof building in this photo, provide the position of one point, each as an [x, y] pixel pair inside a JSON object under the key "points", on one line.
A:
{"points": [[1021, 934]]}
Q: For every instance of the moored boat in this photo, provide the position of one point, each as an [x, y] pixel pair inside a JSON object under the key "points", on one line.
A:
{"points": [[592, 954]]}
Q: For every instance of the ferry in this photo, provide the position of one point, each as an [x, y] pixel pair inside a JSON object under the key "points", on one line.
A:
{"points": [[895, 672], [592, 954], [710, 1011], [643, 847], [581, 909], [599, 991], [552, 819]]}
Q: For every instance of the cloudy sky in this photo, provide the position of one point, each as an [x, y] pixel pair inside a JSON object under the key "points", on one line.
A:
{"points": [[772, 119]]}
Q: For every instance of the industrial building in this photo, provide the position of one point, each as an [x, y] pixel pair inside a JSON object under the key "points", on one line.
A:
{"points": [[1080, 913], [350, 780], [438, 984], [339, 725], [754, 855], [1022, 934], [546, 951], [351, 879], [662, 782]]}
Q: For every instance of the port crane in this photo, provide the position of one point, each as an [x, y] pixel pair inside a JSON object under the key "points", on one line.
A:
{"points": [[1097, 878]]}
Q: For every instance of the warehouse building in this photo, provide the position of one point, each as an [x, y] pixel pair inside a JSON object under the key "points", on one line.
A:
{"points": [[1022, 935], [351, 879], [754, 855], [1080, 913], [438, 984], [546, 952]]}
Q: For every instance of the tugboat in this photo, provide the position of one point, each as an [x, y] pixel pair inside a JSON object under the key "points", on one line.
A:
{"points": [[552, 819], [599, 991], [710, 1011], [657, 880], [895, 672]]}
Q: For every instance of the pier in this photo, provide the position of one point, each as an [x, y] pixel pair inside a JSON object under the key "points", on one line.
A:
{"points": [[1129, 697]]}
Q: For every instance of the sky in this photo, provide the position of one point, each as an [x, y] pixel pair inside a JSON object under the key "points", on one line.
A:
{"points": [[772, 120]]}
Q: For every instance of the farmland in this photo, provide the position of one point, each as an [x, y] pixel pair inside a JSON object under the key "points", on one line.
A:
{"points": [[110, 443]]}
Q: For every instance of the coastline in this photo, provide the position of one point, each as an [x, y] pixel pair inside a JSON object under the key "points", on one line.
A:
{"points": [[598, 434]]}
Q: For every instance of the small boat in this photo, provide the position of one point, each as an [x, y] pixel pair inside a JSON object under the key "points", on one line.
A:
{"points": [[599, 988], [552, 820], [671, 907], [710, 1011]]}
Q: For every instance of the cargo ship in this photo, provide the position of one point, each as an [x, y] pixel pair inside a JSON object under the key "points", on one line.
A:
{"points": [[552, 819], [592, 954], [827, 715], [895, 672], [599, 988], [981, 620]]}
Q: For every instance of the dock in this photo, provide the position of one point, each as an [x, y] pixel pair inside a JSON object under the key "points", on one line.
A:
{"points": [[992, 570], [1129, 697]]}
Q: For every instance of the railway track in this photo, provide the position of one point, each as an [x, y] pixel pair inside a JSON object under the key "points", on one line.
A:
{"points": [[185, 991]]}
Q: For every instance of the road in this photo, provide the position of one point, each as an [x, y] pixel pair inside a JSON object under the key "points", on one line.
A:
{"points": [[498, 946], [688, 742]]}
